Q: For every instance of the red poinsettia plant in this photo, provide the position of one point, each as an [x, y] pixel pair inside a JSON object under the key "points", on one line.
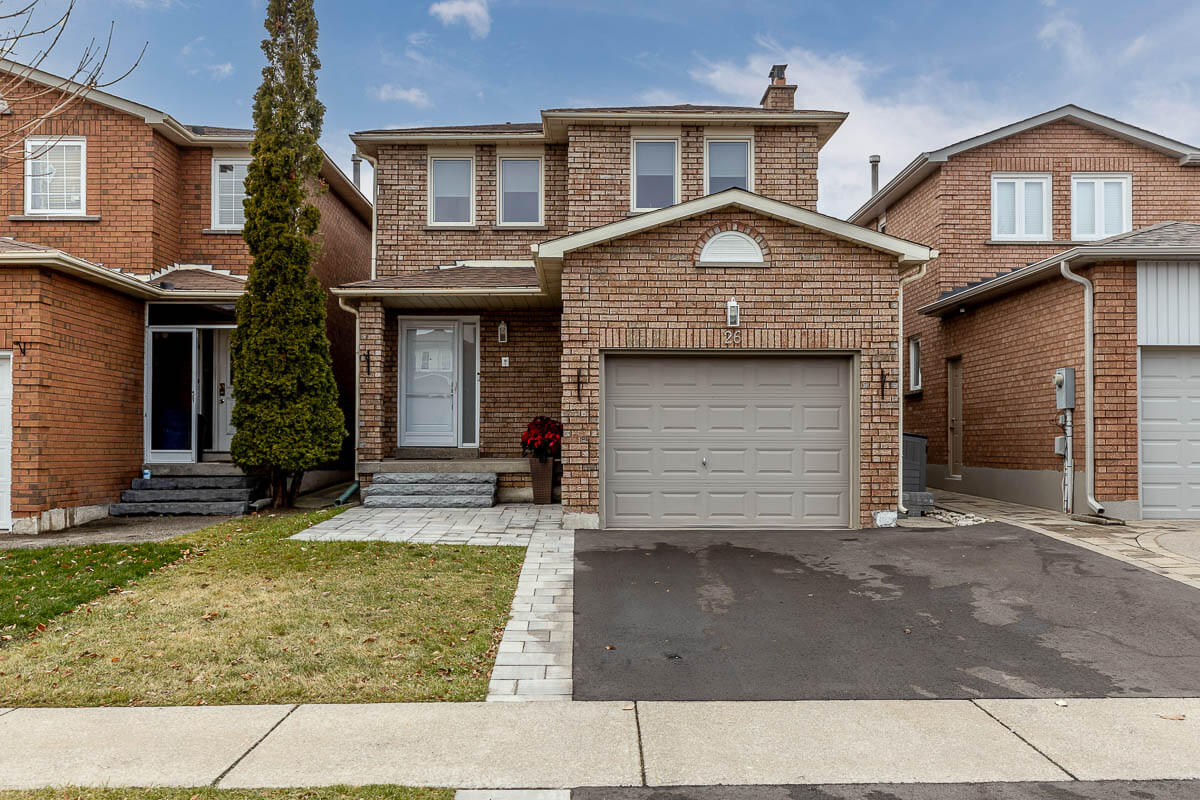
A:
{"points": [[542, 438]]}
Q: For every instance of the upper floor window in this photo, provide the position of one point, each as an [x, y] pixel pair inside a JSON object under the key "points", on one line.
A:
{"points": [[1021, 207], [1101, 205], [229, 193], [56, 175], [520, 193], [655, 173], [451, 191], [727, 164]]}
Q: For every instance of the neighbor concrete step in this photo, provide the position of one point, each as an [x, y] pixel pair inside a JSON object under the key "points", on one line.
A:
{"points": [[226, 508], [428, 501], [386, 489], [208, 482], [186, 495], [433, 477]]}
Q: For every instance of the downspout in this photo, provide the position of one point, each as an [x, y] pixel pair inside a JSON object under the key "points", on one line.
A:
{"points": [[374, 208], [1090, 376], [902, 354], [357, 377]]}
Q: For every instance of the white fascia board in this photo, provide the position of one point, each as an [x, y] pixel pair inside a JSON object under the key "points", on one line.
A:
{"points": [[93, 273], [906, 252], [366, 291]]}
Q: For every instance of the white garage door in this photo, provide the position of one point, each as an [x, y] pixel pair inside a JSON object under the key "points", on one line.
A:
{"points": [[1171, 433], [5, 441], [695, 441]]}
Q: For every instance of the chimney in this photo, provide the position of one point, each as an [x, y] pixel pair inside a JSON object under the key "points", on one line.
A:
{"points": [[874, 174], [780, 95], [356, 162]]}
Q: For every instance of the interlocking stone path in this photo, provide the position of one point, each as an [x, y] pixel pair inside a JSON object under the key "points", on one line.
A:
{"points": [[511, 524]]}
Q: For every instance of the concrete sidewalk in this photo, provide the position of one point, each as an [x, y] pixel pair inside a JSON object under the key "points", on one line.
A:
{"points": [[575, 744]]}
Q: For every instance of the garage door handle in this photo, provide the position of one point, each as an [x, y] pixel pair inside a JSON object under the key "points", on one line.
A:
{"points": [[703, 461]]}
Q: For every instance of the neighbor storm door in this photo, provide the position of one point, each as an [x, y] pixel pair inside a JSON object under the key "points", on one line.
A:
{"points": [[439, 382], [172, 383]]}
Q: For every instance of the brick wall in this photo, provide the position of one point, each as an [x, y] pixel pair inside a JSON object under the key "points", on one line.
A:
{"points": [[224, 249], [531, 385], [77, 399], [644, 291]]}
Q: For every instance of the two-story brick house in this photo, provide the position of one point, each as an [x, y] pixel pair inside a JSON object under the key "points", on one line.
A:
{"points": [[121, 258], [1067, 240], [719, 353]]}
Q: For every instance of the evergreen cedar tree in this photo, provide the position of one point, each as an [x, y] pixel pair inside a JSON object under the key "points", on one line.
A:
{"points": [[286, 414]]}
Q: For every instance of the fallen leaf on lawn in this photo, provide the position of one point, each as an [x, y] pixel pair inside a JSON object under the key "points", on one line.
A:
{"points": [[210, 615], [610, 647], [1173, 717]]}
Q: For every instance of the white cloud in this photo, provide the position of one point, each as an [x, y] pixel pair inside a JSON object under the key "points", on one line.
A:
{"points": [[191, 46], [389, 93], [419, 38], [659, 97], [473, 13], [219, 72], [1135, 48], [897, 119], [1067, 34]]}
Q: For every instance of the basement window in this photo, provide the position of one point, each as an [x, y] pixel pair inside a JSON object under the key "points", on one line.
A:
{"points": [[229, 193], [56, 176], [1020, 207]]}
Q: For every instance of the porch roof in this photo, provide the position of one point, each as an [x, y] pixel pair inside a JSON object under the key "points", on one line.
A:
{"points": [[457, 287]]}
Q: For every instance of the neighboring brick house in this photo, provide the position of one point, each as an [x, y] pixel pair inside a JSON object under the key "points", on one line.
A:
{"points": [[120, 262], [719, 353], [1010, 212]]}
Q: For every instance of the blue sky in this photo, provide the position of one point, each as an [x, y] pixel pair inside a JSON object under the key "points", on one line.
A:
{"points": [[914, 76]]}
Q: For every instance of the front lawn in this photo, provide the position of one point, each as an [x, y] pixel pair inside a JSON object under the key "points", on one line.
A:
{"points": [[38, 584], [251, 616], [331, 793]]}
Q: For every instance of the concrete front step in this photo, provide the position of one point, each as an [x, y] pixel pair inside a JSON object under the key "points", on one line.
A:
{"points": [[393, 489], [434, 477], [222, 508], [186, 495], [428, 501], [203, 482]]}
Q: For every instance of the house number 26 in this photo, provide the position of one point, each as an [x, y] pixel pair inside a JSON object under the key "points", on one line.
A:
{"points": [[733, 337]]}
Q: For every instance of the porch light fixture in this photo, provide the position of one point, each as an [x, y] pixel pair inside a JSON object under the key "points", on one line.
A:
{"points": [[733, 317], [502, 333]]}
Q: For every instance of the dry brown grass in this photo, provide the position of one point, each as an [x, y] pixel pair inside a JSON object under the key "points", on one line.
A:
{"points": [[259, 618]]}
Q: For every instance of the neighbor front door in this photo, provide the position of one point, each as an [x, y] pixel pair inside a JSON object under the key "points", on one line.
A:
{"points": [[223, 428], [171, 394]]}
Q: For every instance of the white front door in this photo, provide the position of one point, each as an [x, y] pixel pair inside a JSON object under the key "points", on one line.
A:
{"points": [[223, 428], [172, 357], [6, 404], [439, 378]]}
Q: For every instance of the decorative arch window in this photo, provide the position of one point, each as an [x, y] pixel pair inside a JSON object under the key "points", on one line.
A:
{"points": [[731, 247]]}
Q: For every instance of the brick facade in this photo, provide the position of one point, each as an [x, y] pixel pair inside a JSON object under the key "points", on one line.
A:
{"points": [[1011, 346]]}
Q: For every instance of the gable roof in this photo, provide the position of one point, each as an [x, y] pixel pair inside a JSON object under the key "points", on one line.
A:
{"points": [[904, 251], [187, 135], [926, 163], [1164, 241]]}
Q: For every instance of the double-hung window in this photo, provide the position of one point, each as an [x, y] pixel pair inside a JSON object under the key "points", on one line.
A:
{"points": [[451, 190], [229, 193], [655, 173], [1020, 207], [1101, 205], [56, 175], [727, 164], [520, 193]]}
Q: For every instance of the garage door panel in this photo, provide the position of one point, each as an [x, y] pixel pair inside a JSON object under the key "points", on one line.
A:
{"points": [[728, 442], [1170, 432]]}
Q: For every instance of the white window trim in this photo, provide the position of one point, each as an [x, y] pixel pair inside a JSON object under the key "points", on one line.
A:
{"points": [[516, 155], [214, 200], [1047, 210], [749, 142], [914, 363], [1126, 180], [633, 142], [34, 144], [449, 156]]}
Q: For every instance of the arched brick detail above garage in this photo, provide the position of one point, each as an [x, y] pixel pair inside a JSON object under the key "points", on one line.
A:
{"points": [[753, 234]]}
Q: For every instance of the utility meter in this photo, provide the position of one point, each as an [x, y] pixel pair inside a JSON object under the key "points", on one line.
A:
{"points": [[1064, 387]]}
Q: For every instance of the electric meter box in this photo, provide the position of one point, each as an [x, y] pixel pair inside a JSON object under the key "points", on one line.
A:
{"points": [[1064, 387]]}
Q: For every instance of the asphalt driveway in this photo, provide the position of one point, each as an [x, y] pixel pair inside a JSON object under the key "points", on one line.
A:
{"points": [[985, 611]]}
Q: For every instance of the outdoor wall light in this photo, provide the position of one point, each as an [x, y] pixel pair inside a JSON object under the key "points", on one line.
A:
{"points": [[502, 333], [733, 316]]}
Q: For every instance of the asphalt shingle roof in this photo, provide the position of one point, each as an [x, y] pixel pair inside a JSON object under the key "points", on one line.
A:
{"points": [[456, 278]]}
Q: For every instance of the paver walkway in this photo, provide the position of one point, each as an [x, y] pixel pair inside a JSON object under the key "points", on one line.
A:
{"points": [[566, 745], [533, 661], [1145, 543]]}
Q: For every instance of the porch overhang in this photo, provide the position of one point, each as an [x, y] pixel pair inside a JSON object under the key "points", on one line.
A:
{"points": [[459, 288], [122, 282]]}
